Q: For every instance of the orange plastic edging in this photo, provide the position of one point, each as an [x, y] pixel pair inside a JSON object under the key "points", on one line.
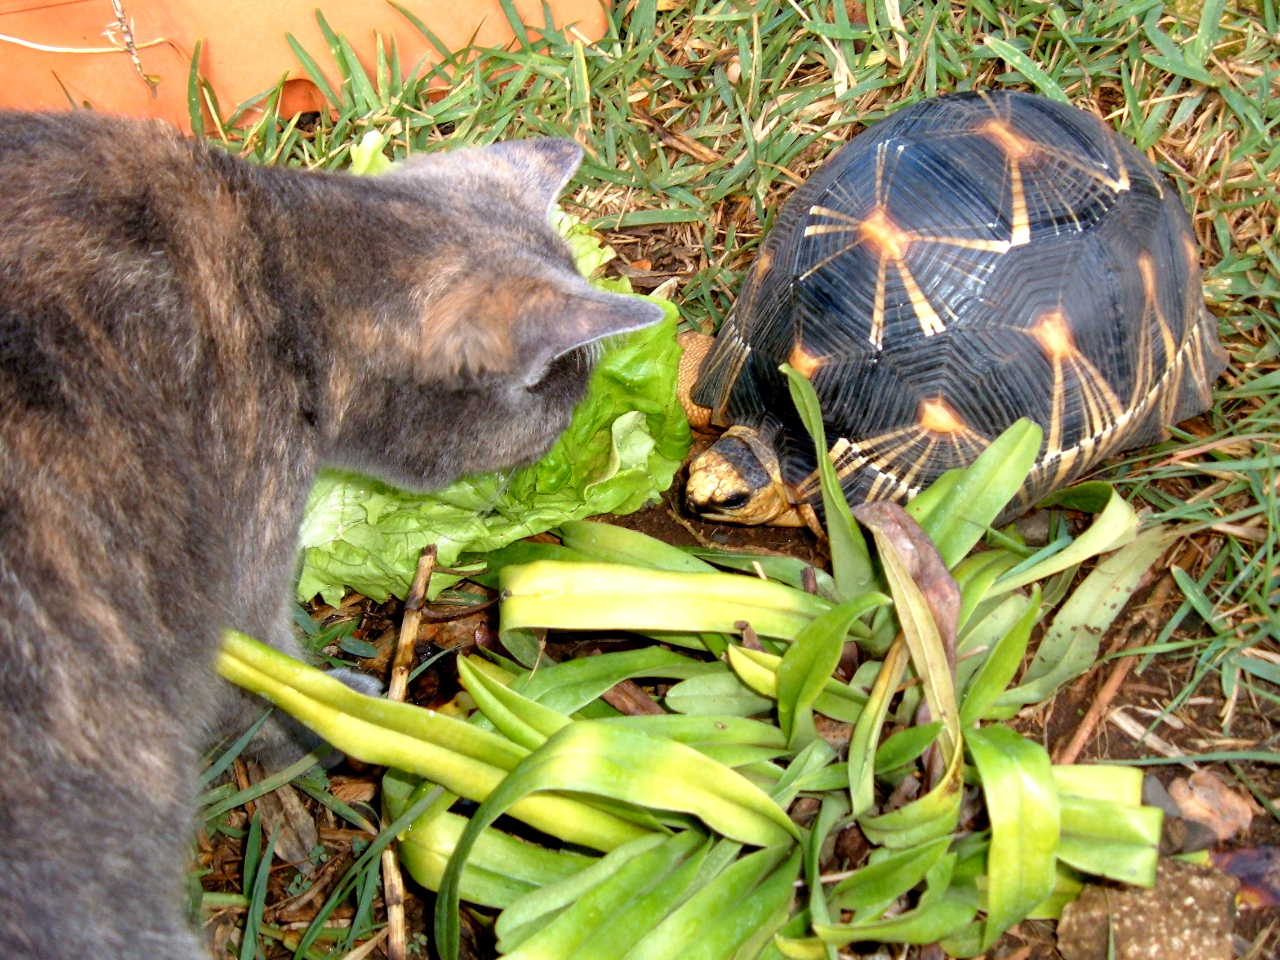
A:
{"points": [[245, 51]]}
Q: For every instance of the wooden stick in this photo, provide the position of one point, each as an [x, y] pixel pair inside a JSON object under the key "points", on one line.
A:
{"points": [[409, 623], [397, 945], [1071, 751], [366, 949]]}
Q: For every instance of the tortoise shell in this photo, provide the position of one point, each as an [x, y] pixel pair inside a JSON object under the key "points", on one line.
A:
{"points": [[974, 259]]}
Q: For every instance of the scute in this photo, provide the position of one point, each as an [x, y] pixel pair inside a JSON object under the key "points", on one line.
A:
{"points": [[994, 255]]}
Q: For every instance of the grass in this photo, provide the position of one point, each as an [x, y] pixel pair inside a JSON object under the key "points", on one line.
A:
{"points": [[700, 120]]}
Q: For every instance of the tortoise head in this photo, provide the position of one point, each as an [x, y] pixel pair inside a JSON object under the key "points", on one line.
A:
{"points": [[738, 479]]}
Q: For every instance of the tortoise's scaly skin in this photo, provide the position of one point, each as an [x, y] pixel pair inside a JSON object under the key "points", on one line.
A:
{"points": [[975, 259]]}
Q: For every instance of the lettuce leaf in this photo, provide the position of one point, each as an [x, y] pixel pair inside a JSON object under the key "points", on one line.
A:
{"points": [[626, 441]]}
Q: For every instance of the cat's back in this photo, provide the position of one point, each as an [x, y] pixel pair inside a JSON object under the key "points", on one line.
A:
{"points": [[99, 223], [81, 250], [68, 181], [107, 229], [35, 141], [72, 153]]}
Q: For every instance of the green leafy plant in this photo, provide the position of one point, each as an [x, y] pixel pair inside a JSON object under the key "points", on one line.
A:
{"points": [[673, 803]]}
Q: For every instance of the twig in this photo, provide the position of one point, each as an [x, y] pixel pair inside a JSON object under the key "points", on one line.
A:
{"points": [[409, 623], [295, 908], [240, 771], [674, 138], [693, 531], [366, 949], [397, 946], [123, 24], [1102, 702], [1097, 710], [464, 610], [630, 698], [46, 48]]}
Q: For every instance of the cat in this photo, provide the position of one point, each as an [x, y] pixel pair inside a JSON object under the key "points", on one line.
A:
{"points": [[185, 338]]}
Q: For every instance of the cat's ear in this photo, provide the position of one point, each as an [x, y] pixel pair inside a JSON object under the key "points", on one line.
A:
{"points": [[585, 317], [541, 168], [530, 172], [517, 327]]}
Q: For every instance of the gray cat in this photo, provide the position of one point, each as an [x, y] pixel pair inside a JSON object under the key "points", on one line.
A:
{"points": [[185, 339]]}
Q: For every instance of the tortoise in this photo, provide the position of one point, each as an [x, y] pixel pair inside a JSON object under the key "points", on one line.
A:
{"points": [[977, 258]]}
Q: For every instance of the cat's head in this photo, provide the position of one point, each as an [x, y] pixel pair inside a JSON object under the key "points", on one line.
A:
{"points": [[491, 330]]}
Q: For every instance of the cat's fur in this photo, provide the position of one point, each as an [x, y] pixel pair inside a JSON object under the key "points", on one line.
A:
{"points": [[184, 339]]}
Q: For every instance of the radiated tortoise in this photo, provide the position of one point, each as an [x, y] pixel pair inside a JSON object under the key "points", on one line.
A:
{"points": [[974, 259]]}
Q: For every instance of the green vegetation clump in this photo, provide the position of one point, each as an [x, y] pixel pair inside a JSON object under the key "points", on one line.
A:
{"points": [[699, 118]]}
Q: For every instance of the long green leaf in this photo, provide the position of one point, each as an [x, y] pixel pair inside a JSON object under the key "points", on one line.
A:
{"points": [[606, 596], [937, 812], [957, 517], [1111, 840], [610, 543], [906, 746], [1071, 644], [257, 902], [314, 72], [759, 671], [923, 638], [931, 816], [808, 664], [718, 692], [568, 687], [1011, 55], [522, 720], [734, 907], [789, 570], [195, 102], [850, 562], [1116, 526], [921, 925], [835, 807], [872, 889], [703, 732], [463, 758], [866, 730], [533, 910], [975, 575], [611, 761], [621, 909], [1000, 664], [1022, 804], [501, 868], [1106, 830], [1101, 782]]}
